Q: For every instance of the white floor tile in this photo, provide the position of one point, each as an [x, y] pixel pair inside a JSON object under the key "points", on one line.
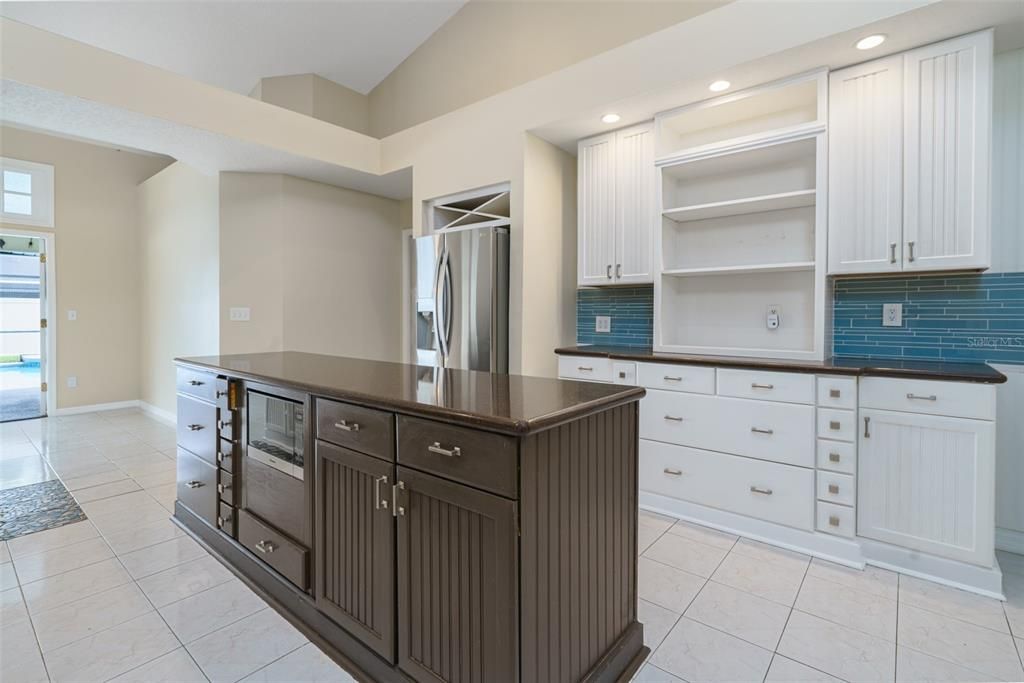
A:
{"points": [[645, 537], [161, 556], [105, 475], [114, 488], [186, 579], [1013, 586], [913, 666], [657, 622], [12, 606], [117, 522], [41, 565], [649, 673], [245, 646], [975, 647], [143, 536], [305, 665], [702, 534], [51, 539], [753, 619], [176, 666], [683, 553], [953, 602], [8, 577], [871, 614], [125, 503], [62, 625], [654, 521], [666, 586], [775, 581], [696, 652], [784, 670], [1010, 563], [770, 553], [78, 583], [837, 650], [871, 580], [5, 552], [20, 661], [23, 471], [204, 613]]}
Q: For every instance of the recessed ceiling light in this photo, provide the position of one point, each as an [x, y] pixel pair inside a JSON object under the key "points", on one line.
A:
{"points": [[611, 118], [871, 41], [719, 86]]}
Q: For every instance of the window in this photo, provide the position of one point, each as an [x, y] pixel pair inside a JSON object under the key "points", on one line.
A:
{"points": [[27, 193]]}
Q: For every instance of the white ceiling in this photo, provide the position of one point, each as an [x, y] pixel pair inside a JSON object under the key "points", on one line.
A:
{"points": [[234, 44]]}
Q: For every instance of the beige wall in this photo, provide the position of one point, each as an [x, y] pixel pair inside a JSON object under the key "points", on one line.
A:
{"points": [[97, 271], [318, 97], [319, 266], [179, 266], [488, 47]]}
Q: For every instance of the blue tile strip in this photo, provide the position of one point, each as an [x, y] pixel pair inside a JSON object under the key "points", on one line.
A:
{"points": [[969, 317], [630, 308]]}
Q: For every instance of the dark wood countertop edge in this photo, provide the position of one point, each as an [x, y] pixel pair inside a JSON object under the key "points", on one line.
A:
{"points": [[778, 365], [490, 423]]}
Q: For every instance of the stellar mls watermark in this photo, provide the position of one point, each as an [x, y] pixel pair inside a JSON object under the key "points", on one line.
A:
{"points": [[1013, 342]]}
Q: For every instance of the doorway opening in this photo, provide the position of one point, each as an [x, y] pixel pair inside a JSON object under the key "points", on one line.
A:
{"points": [[23, 326]]}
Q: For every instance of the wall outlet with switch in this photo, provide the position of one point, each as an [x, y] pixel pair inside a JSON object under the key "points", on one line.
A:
{"points": [[892, 315], [773, 317], [239, 314], [603, 323]]}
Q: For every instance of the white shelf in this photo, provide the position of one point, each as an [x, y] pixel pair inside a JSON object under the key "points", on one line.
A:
{"points": [[795, 266], [742, 207]]}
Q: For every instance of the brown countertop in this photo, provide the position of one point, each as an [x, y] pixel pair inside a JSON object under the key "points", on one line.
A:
{"points": [[861, 367], [506, 403]]}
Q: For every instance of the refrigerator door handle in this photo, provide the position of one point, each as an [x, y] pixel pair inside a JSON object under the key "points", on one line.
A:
{"points": [[447, 304], [439, 313]]}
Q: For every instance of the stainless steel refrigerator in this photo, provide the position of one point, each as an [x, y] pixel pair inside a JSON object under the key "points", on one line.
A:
{"points": [[461, 282]]}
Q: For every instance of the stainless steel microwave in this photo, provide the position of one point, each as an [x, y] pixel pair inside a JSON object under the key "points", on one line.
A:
{"points": [[276, 433]]}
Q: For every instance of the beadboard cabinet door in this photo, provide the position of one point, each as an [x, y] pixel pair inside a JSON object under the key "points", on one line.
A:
{"points": [[635, 194], [925, 482], [947, 139], [865, 210], [596, 182]]}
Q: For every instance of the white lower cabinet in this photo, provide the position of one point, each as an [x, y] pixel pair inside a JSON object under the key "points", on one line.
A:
{"points": [[926, 482]]}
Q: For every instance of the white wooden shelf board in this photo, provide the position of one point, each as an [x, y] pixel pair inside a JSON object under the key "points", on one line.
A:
{"points": [[755, 268], [742, 207]]}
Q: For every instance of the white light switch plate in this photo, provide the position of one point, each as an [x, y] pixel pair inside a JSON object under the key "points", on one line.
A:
{"points": [[892, 315], [72, 382], [72, 314], [239, 314], [603, 323]]}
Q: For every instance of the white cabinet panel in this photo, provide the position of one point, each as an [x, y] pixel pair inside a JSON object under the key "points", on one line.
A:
{"points": [[791, 387], [590, 368], [838, 456], [837, 392], [931, 397], [947, 130], [926, 483], [836, 488], [837, 424], [691, 378], [865, 167], [836, 519], [635, 196], [596, 210]]}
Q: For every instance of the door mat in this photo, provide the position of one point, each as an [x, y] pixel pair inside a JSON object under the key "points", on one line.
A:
{"points": [[36, 507]]}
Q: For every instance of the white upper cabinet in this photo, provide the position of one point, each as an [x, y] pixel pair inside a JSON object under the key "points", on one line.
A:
{"points": [[865, 211], [909, 156], [616, 177], [947, 130]]}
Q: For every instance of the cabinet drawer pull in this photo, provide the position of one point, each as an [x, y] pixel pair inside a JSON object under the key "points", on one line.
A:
{"points": [[910, 245], [344, 425], [915, 397], [673, 418], [609, 271], [669, 378], [221, 488], [892, 252], [436, 448], [220, 394], [867, 430], [194, 484], [758, 430], [584, 368], [672, 472], [618, 270], [833, 457], [833, 520], [834, 393], [378, 503], [755, 385], [266, 547], [194, 427], [763, 492], [834, 425], [833, 489], [195, 383]]}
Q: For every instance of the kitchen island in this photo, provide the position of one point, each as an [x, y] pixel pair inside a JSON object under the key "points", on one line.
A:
{"points": [[421, 524]]}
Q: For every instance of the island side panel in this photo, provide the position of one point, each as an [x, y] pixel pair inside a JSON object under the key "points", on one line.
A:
{"points": [[579, 519]]}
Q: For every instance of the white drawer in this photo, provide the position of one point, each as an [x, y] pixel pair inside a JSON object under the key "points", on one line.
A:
{"points": [[837, 392], [590, 368], [931, 397], [837, 424], [782, 432], [836, 519], [837, 456], [623, 372], [772, 386], [768, 491], [692, 378], [836, 488]]}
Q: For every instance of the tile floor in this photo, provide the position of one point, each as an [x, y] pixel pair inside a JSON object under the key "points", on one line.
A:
{"points": [[131, 598]]}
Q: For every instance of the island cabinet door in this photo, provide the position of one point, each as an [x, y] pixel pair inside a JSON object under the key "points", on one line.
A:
{"points": [[457, 582], [355, 545]]}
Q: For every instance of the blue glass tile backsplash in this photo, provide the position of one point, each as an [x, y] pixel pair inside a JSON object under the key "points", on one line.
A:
{"points": [[967, 317]]}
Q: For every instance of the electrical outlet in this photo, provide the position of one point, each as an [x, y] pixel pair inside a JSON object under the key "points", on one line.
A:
{"points": [[603, 323], [239, 314], [72, 314], [72, 382], [773, 317], [892, 315]]}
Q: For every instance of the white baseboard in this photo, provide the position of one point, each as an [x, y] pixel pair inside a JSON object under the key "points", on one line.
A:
{"points": [[95, 407], [1010, 540], [164, 416]]}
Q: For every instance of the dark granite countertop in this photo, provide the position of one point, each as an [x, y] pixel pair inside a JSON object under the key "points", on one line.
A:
{"points": [[864, 367], [506, 403]]}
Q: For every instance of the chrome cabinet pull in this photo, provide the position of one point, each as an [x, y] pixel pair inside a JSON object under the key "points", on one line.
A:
{"points": [[194, 484], [669, 378], [755, 385], [915, 397], [584, 368], [833, 489], [195, 383], [609, 271], [379, 504], [763, 492], [892, 252], [673, 418], [396, 509], [672, 472], [618, 270], [436, 448], [221, 488], [834, 425], [833, 457], [910, 245], [834, 393], [867, 430], [194, 427], [266, 547], [758, 430], [344, 425], [833, 520], [220, 394]]}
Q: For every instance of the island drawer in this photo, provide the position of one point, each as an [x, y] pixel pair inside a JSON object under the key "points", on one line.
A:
{"points": [[226, 518], [197, 428], [226, 456], [202, 385], [288, 558], [469, 456], [197, 486], [362, 429], [226, 488]]}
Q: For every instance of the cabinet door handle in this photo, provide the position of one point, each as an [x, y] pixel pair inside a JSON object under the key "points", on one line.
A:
{"points": [[833, 457], [834, 425], [672, 472], [221, 488], [584, 368], [194, 484], [618, 270], [194, 427], [833, 520], [378, 503], [915, 397], [758, 430], [673, 418], [763, 492], [220, 394], [344, 425], [910, 246], [609, 271], [436, 448], [833, 489], [867, 429], [266, 547], [195, 383], [755, 385], [892, 252], [396, 509], [669, 378]]}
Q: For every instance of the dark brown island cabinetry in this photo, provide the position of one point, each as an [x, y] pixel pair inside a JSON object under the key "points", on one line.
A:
{"points": [[421, 524]]}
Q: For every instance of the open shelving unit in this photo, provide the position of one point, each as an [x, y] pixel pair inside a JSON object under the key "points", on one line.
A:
{"points": [[742, 196], [481, 208]]}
